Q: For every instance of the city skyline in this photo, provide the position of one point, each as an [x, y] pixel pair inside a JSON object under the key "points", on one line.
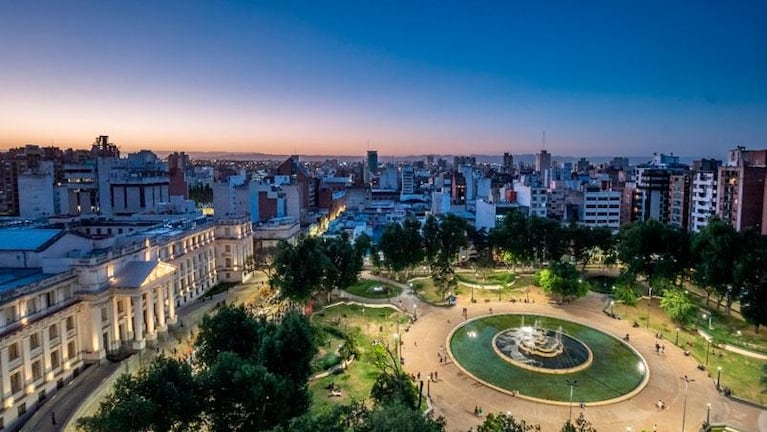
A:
{"points": [[404, 79]]}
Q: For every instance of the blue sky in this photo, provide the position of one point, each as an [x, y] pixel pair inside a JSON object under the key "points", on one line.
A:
{"points": [[602, 78]]}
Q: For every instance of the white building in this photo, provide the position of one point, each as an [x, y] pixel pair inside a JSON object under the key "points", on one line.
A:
{"points": [[602, 209], [703, 199], [535, 198], [68, 299]]}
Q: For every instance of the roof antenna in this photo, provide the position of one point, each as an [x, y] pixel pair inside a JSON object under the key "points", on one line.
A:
{"points": [[544, 139]]}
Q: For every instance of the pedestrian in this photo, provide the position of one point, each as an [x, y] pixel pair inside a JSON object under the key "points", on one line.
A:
{"points": [[415, 344], [53, 417], [435, 375], [655, 428], [419, 376]]}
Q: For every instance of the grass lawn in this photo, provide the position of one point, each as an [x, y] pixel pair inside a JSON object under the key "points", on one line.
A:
{"points": [[369, 324], [495, 278], [740, 373], [428, 292], [373, 289], [602, 283]]}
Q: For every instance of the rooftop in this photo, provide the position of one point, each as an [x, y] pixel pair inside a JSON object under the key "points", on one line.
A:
{"points": [[13, 278], [14, 239]]}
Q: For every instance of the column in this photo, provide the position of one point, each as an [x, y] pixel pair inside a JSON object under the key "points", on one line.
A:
{"points": [[115, 323], [128, 321], [161, 308], [151, 331], [171, 303], [5, 375], [138, 324]]}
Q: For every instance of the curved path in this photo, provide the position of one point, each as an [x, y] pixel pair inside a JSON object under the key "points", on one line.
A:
{"points": [[455, 394]]}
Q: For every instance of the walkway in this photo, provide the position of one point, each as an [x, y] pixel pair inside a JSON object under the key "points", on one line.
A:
{"points": [[731, 348], [455, 394]]}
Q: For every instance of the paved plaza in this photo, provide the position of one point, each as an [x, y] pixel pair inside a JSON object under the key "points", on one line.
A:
{"points": [[455, 394]]}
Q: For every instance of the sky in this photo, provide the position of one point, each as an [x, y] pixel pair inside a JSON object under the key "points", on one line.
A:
{"points": [[615, 77]]}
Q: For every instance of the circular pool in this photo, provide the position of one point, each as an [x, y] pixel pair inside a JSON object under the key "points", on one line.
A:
{"points": [[538, 357]]}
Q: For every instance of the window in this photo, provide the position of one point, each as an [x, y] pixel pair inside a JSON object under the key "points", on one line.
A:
{"points": [[37, 371], [228, 262], [104, 315], [55, 360], [70, 323], [34, 341], [227, 248], [50, 298], [13, 351], [31, 306], [16, 382], [53, 332], [71, 350]]}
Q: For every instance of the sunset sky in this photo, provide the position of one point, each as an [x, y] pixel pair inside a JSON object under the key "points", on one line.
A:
{"points": [[416, 77]]}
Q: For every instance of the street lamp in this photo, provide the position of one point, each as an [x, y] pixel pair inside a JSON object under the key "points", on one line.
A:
{"points": [[676, 341], [708, 315], [572, 384], [708, 414], [415, 311], [708, 349], [687, 382], [718, 377], [649, 302]]}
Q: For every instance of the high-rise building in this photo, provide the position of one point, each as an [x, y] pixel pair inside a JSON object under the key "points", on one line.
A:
{"points": [[408, 180], [679, 201], [508, 163], [371, 167], [542, 161], [653, 182], [741, 189], [703, 199]]}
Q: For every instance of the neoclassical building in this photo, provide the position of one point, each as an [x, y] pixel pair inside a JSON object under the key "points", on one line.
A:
{"points": [[75, 291]]}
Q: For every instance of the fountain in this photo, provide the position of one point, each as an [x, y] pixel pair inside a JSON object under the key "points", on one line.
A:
{"points": [[532, 355], [542, 349]]}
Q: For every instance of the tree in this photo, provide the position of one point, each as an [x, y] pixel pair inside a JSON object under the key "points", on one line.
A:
{"points": [[653, 250], [714, 250], [751, 274], [392, 247], [580, 425], [562, 280], [506, 423], [393, 385], [262, 260], [245, 396], [163, 397], [545, 239], [678, 305], [343, 265], [387, 418], [431, 246], [412, 242], [584, 242], [287, 348], [215, 335], [511, 238], [299, 269]]}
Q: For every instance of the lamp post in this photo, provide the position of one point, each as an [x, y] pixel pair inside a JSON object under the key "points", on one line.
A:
{"points": [[572, 384], [708, 349], [687, 382], [718, 377], [676, 341], [415, 311], [649, 302], [708, 316], [708, 414]]}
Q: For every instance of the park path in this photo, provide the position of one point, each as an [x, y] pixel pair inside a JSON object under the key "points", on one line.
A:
{"points": [[732, 348]]}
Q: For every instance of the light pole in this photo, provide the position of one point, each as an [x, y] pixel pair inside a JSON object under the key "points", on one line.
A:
{"points": [[708, 349], [649, 302], [687, 382], [676, 341], [718, 377], [415, 311], [705, 316], [572, 384], [708, 414]]}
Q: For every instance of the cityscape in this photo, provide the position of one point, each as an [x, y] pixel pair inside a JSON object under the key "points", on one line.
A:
{"points": [[383, 217]]}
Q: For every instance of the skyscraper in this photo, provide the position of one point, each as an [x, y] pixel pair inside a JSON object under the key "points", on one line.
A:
{"points": [[542, 161]]}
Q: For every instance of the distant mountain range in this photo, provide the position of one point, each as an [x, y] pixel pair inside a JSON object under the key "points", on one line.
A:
{"points": [[497, 159]]}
